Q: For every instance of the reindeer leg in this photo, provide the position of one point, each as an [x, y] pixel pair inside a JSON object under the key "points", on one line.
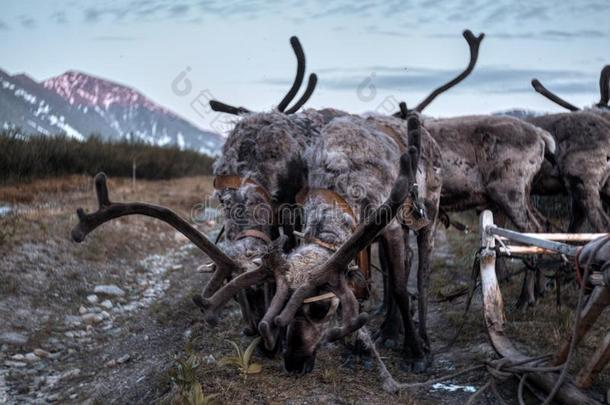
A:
{"points": [[586, 200], [414, 354], [425, 242], [389, 331]]}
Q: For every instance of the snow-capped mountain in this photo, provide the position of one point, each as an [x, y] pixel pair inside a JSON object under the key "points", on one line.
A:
{"points": [[79, 105]]}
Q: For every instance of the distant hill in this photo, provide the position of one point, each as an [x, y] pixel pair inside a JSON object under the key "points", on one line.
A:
{"points": [[79, 105]]}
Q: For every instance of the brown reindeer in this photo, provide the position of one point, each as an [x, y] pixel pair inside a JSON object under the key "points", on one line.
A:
{"points": [[582, 165], [488, 161]]}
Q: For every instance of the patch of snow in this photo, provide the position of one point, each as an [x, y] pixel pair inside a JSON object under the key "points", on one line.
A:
{"points": [[5, 209], [26, 96], [180, 140], [453, 387]]}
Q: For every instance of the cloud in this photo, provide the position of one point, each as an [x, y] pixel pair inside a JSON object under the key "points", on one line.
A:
{"points": [[114, 38], [485, 79], [179, 10], [59, 17], [92, 15], [3, 26], [27, 22]]}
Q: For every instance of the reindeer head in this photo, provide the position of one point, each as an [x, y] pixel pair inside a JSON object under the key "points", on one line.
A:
{"points": [[601, 107]]}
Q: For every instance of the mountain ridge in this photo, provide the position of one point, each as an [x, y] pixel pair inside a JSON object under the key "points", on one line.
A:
{"points": [[79, 105]]}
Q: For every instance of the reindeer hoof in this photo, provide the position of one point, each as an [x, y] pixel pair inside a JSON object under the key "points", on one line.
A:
{"points": [[417, 366]]}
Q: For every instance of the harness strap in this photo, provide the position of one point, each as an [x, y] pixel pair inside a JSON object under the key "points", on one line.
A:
{"points": [[254, 233], [321, 297], [234, 182], [362, 259]]}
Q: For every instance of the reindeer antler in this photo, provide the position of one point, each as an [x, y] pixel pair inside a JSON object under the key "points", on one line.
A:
{"points": [[226, 108], [474, 44], [604, 87], [296, 85], [298, 79], [108, 211], [365, 233], [551, 96], [272, 263]]}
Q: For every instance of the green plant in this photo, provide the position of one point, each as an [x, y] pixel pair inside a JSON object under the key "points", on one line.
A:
{"points": [[184, 375], [242, 359]]}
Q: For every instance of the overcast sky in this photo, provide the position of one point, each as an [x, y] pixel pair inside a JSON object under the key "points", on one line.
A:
{"points": [[239, 51]]}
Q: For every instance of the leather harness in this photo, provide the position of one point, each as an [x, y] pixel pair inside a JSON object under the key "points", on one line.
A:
{"points": [[234, 182], [363, 257]]}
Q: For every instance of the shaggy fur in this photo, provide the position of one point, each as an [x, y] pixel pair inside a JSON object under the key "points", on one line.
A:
{"points": [[490, 161], [358, 161], [583, 168]]}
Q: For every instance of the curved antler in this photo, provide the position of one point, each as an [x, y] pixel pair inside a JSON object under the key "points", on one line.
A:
{"points": [[473, 44], [364, 234], [551, 96], [604, 87], [226, 108], [311, 86], [298, 80], [108, 211], [352, 320], [272, 263]]}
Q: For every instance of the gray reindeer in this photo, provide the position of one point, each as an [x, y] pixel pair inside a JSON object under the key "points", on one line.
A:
{"points": [[581, 168], [312, 280]]}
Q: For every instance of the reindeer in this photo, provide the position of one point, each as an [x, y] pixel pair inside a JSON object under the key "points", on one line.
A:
{"points": [[582, 164], [313, 279], [488, 161], [256, 178]]}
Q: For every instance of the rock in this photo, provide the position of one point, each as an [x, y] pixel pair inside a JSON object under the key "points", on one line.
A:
{"points": [[176, 267], [104, 315], [92, 298], [123, 359], [209, 359], [89, 329], [82, 310], [69, 374], [41, 353], [110, 363], [72, 320], [92, 319], [31, 357], [69, 334], [107, 304], [4, 348], [109, 290], [16, 364], [13, 338], [18, 357], [53, 398]]}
